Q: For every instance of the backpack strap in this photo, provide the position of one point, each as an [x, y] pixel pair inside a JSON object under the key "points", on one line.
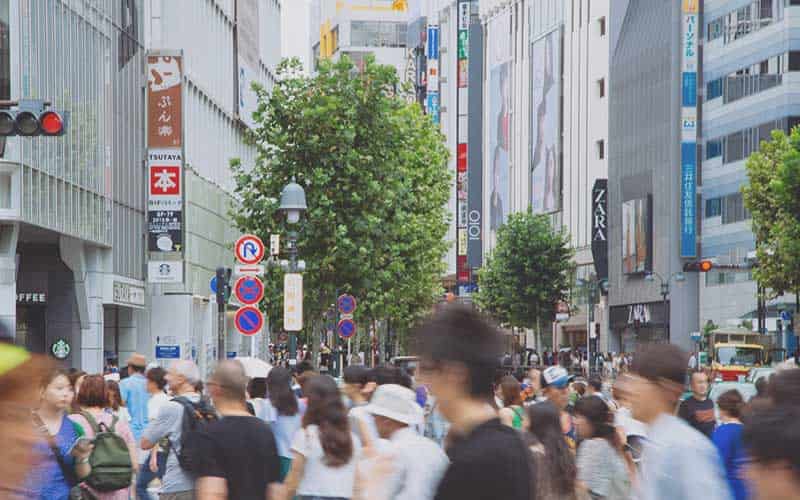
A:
{"points": [[91, 420], [114, 420], [68, 472]]}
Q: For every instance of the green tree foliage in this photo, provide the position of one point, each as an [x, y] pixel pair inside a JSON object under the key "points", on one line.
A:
{"points": [[528, 273], [773, 199], [374, 169]]}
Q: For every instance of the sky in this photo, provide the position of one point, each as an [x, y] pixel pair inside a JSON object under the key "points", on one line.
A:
{"points": [[295, 30]]}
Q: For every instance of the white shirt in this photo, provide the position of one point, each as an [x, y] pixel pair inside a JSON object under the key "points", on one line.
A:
{"points": [[154, 405], [319, 479], [419, 466], [360, 413]]}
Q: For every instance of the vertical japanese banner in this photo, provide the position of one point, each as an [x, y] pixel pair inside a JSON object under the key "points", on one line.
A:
{"points": [[689, 61], [432, 55], [165, 166], [463, 271]]}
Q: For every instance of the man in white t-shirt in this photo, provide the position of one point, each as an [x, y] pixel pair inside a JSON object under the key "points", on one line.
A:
{"points": [[156, 460], [356, 379]]}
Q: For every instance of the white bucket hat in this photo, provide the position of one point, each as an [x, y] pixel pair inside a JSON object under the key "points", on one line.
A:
{"points": [[397, 403]]}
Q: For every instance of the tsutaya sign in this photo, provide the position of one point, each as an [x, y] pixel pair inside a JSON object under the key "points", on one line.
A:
{"points": [[600, 227]]}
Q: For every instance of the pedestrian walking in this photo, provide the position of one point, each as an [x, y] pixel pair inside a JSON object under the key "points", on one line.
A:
{"points": [[155, 464], [356, 379], [285, 415], [771, 439], [257, 398], [604, 468], [325, 452], [555, 462], [133, 390], [182, 378], [727, 438], [697, 410], [418, 462], [555, 386], [512, 413], [59, 460], [115, 403], [459, 353], [678, 461], [238, 457], [96, 417]]}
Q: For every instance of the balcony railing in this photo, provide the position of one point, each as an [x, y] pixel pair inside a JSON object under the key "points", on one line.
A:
{"points": [[741, 86]]}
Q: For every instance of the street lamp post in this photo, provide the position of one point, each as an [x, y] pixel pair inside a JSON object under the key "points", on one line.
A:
{"points": [[292, 205], [665, 292], [593, 286]]}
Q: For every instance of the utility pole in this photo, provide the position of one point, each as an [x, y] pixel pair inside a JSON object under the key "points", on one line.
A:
{"points": [[223, 287]]}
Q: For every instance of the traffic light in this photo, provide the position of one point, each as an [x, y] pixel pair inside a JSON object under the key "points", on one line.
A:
{"points": [[30, 119], [698, 266]]}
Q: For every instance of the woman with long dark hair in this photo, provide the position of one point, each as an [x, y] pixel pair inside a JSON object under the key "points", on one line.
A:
{"points": [[603, 466], [324, 451], [284, 414], [512, 413], [554, 460]]}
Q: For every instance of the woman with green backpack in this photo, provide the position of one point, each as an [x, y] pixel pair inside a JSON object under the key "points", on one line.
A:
{"points": [[113, 459]]}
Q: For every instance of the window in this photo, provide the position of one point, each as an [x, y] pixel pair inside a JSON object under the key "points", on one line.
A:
{"points": [[713, 207], [794, 2], [602, 24], [794, 60], [714, 89], [716, 28], [601, 87], [733, 209], [377, 34], [601, 149], [713, 149]]}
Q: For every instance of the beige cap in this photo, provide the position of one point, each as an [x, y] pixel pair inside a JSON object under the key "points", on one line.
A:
{"points": [[137, 359]]}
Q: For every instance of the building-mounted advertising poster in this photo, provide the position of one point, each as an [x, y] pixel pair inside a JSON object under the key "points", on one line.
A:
{"points": [[545, 141], [499, 46], [689, 62]]}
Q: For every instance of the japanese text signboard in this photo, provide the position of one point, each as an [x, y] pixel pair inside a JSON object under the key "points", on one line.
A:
{"points": [[164, 104]]}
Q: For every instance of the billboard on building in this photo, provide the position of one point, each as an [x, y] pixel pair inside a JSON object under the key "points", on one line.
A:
{"points": [[689, 62], [164, 102], [636, 236], [247, 44], [499, 117], [546, 123]]}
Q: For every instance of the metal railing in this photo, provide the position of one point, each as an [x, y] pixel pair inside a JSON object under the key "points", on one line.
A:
{"points": [[740, 86]]}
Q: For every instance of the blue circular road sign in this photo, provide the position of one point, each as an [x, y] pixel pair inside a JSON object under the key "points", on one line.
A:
{"points": [[248, 320], [346, 304], [346, 328], [213, 284], [249, 290]]}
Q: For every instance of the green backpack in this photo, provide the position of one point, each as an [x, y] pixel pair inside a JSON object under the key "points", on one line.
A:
{"points": [[110, 459]]}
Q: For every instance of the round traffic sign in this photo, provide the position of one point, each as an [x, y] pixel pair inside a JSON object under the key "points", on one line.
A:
{"points": [[249, 290], [249, 249], [248, 320], [346, 303], [346, 328]]}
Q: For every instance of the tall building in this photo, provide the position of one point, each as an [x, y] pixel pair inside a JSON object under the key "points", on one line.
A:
{"points": [[545, 130], [358, 28], [750, 65], [296, 31], [652, 183], [221, 47], [72, 208]]}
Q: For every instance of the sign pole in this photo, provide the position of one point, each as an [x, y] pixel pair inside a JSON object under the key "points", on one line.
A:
{"points": [[220, 313]]}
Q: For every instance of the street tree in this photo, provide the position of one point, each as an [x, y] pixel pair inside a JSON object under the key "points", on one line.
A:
{"points": [[374, 169], [773, 198], [528, 272]]}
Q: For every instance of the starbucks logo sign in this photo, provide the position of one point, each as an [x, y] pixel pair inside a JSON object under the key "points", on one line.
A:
{"points": [[60, 349]]}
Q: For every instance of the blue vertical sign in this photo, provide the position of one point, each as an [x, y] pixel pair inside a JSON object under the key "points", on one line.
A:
{"points": [[433, 42], [689, 63]]}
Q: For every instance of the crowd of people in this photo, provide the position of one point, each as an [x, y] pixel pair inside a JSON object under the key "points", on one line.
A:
{"points": [[459, 427]]}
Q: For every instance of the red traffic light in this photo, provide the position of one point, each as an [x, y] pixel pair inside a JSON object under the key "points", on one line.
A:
{"points": [[699, 266], [51, 123]]}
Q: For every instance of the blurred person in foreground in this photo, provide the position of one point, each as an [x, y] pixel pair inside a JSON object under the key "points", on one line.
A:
{"points": [[239, 458], [356, 380], [556, 473], [417, 461], [727, 438], [285, 414], [677, 461], [698, 410], [604, 468], [459, 352], [772, 439]]}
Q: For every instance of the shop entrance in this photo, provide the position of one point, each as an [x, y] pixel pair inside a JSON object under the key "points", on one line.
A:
{"points": [[31, 328]]}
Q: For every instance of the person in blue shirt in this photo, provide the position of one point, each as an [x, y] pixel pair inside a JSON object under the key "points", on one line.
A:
{"points": [[135, 395], [728, 439]]}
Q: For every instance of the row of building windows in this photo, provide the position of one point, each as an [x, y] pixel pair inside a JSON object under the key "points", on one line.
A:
{"points": [[730, 207], [745, 20], [378, 34], [753, 79], [739, 145]]}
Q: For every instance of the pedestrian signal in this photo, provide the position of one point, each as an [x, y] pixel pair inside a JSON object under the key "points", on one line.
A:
{"points": [[698, 266]]}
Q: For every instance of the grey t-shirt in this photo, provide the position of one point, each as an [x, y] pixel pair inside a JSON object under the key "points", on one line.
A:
{"points": [[602, 469], [168, 423]]}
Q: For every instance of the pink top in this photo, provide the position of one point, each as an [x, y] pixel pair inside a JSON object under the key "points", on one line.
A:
{"points": [[123, 430]]}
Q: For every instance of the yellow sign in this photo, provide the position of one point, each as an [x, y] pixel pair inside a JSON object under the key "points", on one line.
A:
{"points": [[401, 5], [690, 6], [292, 302], [462, 241]]}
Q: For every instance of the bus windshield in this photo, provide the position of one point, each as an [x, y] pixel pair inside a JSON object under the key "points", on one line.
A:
{"points": [[743, 356]]}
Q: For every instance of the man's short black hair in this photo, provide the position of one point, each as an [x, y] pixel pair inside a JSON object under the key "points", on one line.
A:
{"points": [[460, 334], [784, 387], [302, 367], [383, 375], [356, 374], [771, 435], [661, 361], [596, 383]]}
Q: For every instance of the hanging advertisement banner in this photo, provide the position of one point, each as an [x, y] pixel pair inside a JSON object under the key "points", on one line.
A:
{"points": [[164, 104], [247, 59], [475, 151], [600, 228], [688, 126]]}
